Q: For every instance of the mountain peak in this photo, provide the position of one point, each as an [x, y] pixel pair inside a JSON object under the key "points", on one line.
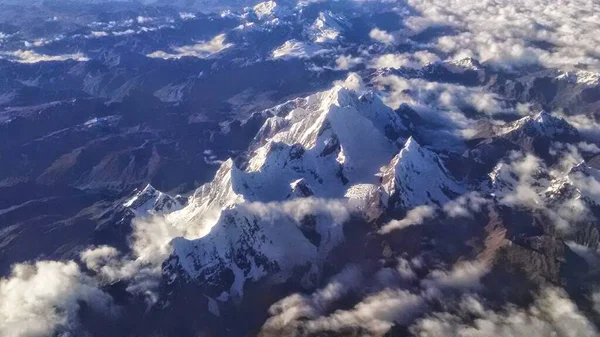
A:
{"points": [[417, 176], [542, 123], [151, 201]]}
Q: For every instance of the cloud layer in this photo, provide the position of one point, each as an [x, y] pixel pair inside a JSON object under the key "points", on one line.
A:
{"points": [[512, 33], [43, 298]]}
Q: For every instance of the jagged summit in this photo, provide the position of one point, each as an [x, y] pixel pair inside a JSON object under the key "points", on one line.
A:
{"points": [[269, 10], [417, 176], [540, 124], [318, 149], [151, 201], [327, 28]]}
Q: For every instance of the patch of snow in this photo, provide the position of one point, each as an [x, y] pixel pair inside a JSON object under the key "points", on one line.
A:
{"points": [[297, 49], [326, 28], [587, 78]]}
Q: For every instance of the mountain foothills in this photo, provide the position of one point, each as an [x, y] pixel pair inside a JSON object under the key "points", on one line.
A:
{"points": [[313, 168]]}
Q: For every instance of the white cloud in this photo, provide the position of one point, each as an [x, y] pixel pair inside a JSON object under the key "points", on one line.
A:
{"points": [[144, 19], [43, 299], [375, 313], [445, 99], [295, 307], [98, 34], [522, 191], [465, 205], [512, 32], [464, 275], [382, 36], [152, 237], [588, 147], [200, 50], [552, 314], [586, 125], [414, 60], [525, 182], [415, 216], [299, 208], [345, 62]]}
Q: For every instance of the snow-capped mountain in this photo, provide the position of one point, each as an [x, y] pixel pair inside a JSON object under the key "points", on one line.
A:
{"points": [[327, 28], [417, 176], [283, 168], [309, 157], [149, 201]]}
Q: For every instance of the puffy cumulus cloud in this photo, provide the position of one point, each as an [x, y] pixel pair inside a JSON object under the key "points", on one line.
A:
{"points": [[296, 307], [109, 266], [373, 316], [383, 300], [144, 19], [511, 32], [414, 60], [464, 206], [552, 314], [414, 217], [442, 102], [376, 313], [587, 126], [588, 147], [404, 271], [345, 62], [98, 33], [30, 56], [44, 298], [525, 181], [519, 177], [200, 50], [96, 258], [152, 236], [382, 36], [464, 275], [338, 210], [150, 246]]}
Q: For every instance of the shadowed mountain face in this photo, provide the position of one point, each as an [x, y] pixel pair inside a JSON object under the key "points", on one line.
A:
{"points": [[204, 168]]}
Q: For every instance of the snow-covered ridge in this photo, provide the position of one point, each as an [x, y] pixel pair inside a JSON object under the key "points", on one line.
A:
{"points": [[587, 78], [315, 162], [540, 123], [326, 28], [417, 176], [463, 65], [150, 201], [270, 10], [581, 182], [297, 49]]}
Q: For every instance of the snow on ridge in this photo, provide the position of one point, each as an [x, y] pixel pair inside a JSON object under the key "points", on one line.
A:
{"points": [[315, 163], [325, 28], [298, 49], [417, 176], [265, 9], [542, 122], [587, 78]]}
